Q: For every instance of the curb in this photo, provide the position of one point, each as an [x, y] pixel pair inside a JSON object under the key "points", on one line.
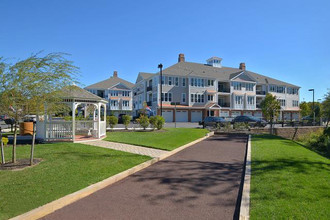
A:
{"points": [[245, 202], [68, 199]]}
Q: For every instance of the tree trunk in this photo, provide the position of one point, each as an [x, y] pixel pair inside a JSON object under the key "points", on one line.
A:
{"points": [[14, 143], [2, 150], [32, 145]]}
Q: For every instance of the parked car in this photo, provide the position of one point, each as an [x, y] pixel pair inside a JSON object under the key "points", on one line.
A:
{"points": [[252, 121], [212, 121]]}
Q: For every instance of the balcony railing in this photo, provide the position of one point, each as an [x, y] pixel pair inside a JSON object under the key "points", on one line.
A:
{"points": [[261, 92], [149, 88], [225, 104], [227, 90]]}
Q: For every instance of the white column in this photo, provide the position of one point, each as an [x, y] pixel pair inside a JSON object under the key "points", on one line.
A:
{"points": [[73, 120], [99, 120]]}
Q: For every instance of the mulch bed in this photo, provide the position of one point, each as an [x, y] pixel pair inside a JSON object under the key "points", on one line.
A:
{"points": [[20, 164]]}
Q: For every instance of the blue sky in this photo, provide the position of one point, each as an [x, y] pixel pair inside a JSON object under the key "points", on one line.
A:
{"points": [[286, 40]]}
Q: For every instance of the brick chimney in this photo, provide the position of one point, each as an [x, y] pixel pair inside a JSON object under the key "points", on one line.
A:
{"points": [[242, 66], [115, 74], [181, 58]]}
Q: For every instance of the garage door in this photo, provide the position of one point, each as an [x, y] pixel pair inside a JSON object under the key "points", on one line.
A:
{"points": [[247, 113], [168, 116], [258, 114], [196, 116], [235, 113], [181, 116], [224, 114]]}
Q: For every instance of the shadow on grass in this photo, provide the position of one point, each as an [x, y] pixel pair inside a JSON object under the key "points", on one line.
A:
{"points": [[323, 154]]}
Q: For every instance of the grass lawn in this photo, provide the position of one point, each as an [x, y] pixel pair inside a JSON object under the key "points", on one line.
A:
{"points": [[66, 168], [166, 139], [288, 181]]}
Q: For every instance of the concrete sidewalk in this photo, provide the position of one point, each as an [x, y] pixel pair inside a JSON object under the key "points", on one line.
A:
{"points": [[128, 148], [200, 182]]}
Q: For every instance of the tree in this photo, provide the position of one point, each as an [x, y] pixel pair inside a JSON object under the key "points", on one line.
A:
{"points": [[326, 107], [112, 121], [143, 121], [28, 84], [126, 120], [270, 108], [305, 109], [160, 122]]}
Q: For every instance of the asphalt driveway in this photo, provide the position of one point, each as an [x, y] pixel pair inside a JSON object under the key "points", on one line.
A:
{"points": [[200, 182]]}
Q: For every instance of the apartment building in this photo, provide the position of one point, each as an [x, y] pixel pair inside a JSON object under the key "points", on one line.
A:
{"points": [[198, 90], [117, 91]]}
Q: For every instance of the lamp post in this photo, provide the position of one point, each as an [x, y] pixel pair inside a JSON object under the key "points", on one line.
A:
{"points": [[312, 90], [160, 66]]}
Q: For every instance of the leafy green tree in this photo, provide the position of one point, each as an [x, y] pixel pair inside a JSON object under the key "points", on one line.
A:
{"points": [[160, 122], [326, 107], [153, 121], [112, 121], [305, 109], [270, 107], [30, 83], [126, 120], [143, 121]]}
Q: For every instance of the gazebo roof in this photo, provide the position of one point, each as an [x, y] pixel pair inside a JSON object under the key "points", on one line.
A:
{"points": [[75, 92]]}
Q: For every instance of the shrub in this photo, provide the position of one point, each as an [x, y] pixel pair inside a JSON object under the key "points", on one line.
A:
{"points": [[126, 120], [241, 126], [112, 121], [318, 141], [143, 121], [227, 127], [160, 122], [153, 121]]}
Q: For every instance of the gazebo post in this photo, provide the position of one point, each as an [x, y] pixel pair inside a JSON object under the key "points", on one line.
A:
{"points": [[73, 120], [99, 120]]}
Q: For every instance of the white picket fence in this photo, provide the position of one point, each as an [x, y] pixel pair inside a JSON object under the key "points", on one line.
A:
{"points": [[59, 130]]}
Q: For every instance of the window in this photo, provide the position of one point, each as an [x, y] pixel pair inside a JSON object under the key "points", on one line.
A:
{"points": [[183, 98], [249, 86], [170, 80], [272, 88], [210, 97], [199, 98], [280, 89], [237, 85], [250, 100], [176, 81], [163, 80], [114, 103], [167, 97], [126, 103], [113, 93], [295, 103], [238, 100], [292, 91], [192, 82], [125, 93], [210, 82], [183, 82], [195, 84], [282, 102], [202, 82]]}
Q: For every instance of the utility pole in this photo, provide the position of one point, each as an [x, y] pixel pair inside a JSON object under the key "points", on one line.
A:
{"points": [[160, 66]]}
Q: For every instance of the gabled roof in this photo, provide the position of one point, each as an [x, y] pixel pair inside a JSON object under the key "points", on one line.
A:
{"points": [[143, 75], [108, 83], [221, 74], [75, 92]]}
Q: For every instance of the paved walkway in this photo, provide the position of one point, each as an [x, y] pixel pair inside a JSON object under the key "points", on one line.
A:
{"points": [[128, 148], [200, 182]]}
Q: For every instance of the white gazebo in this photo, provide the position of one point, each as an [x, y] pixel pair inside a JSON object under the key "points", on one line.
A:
{"points": [[89, 126]]}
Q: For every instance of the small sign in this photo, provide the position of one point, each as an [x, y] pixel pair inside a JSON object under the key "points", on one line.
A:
{"points": [[5, 141]]}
